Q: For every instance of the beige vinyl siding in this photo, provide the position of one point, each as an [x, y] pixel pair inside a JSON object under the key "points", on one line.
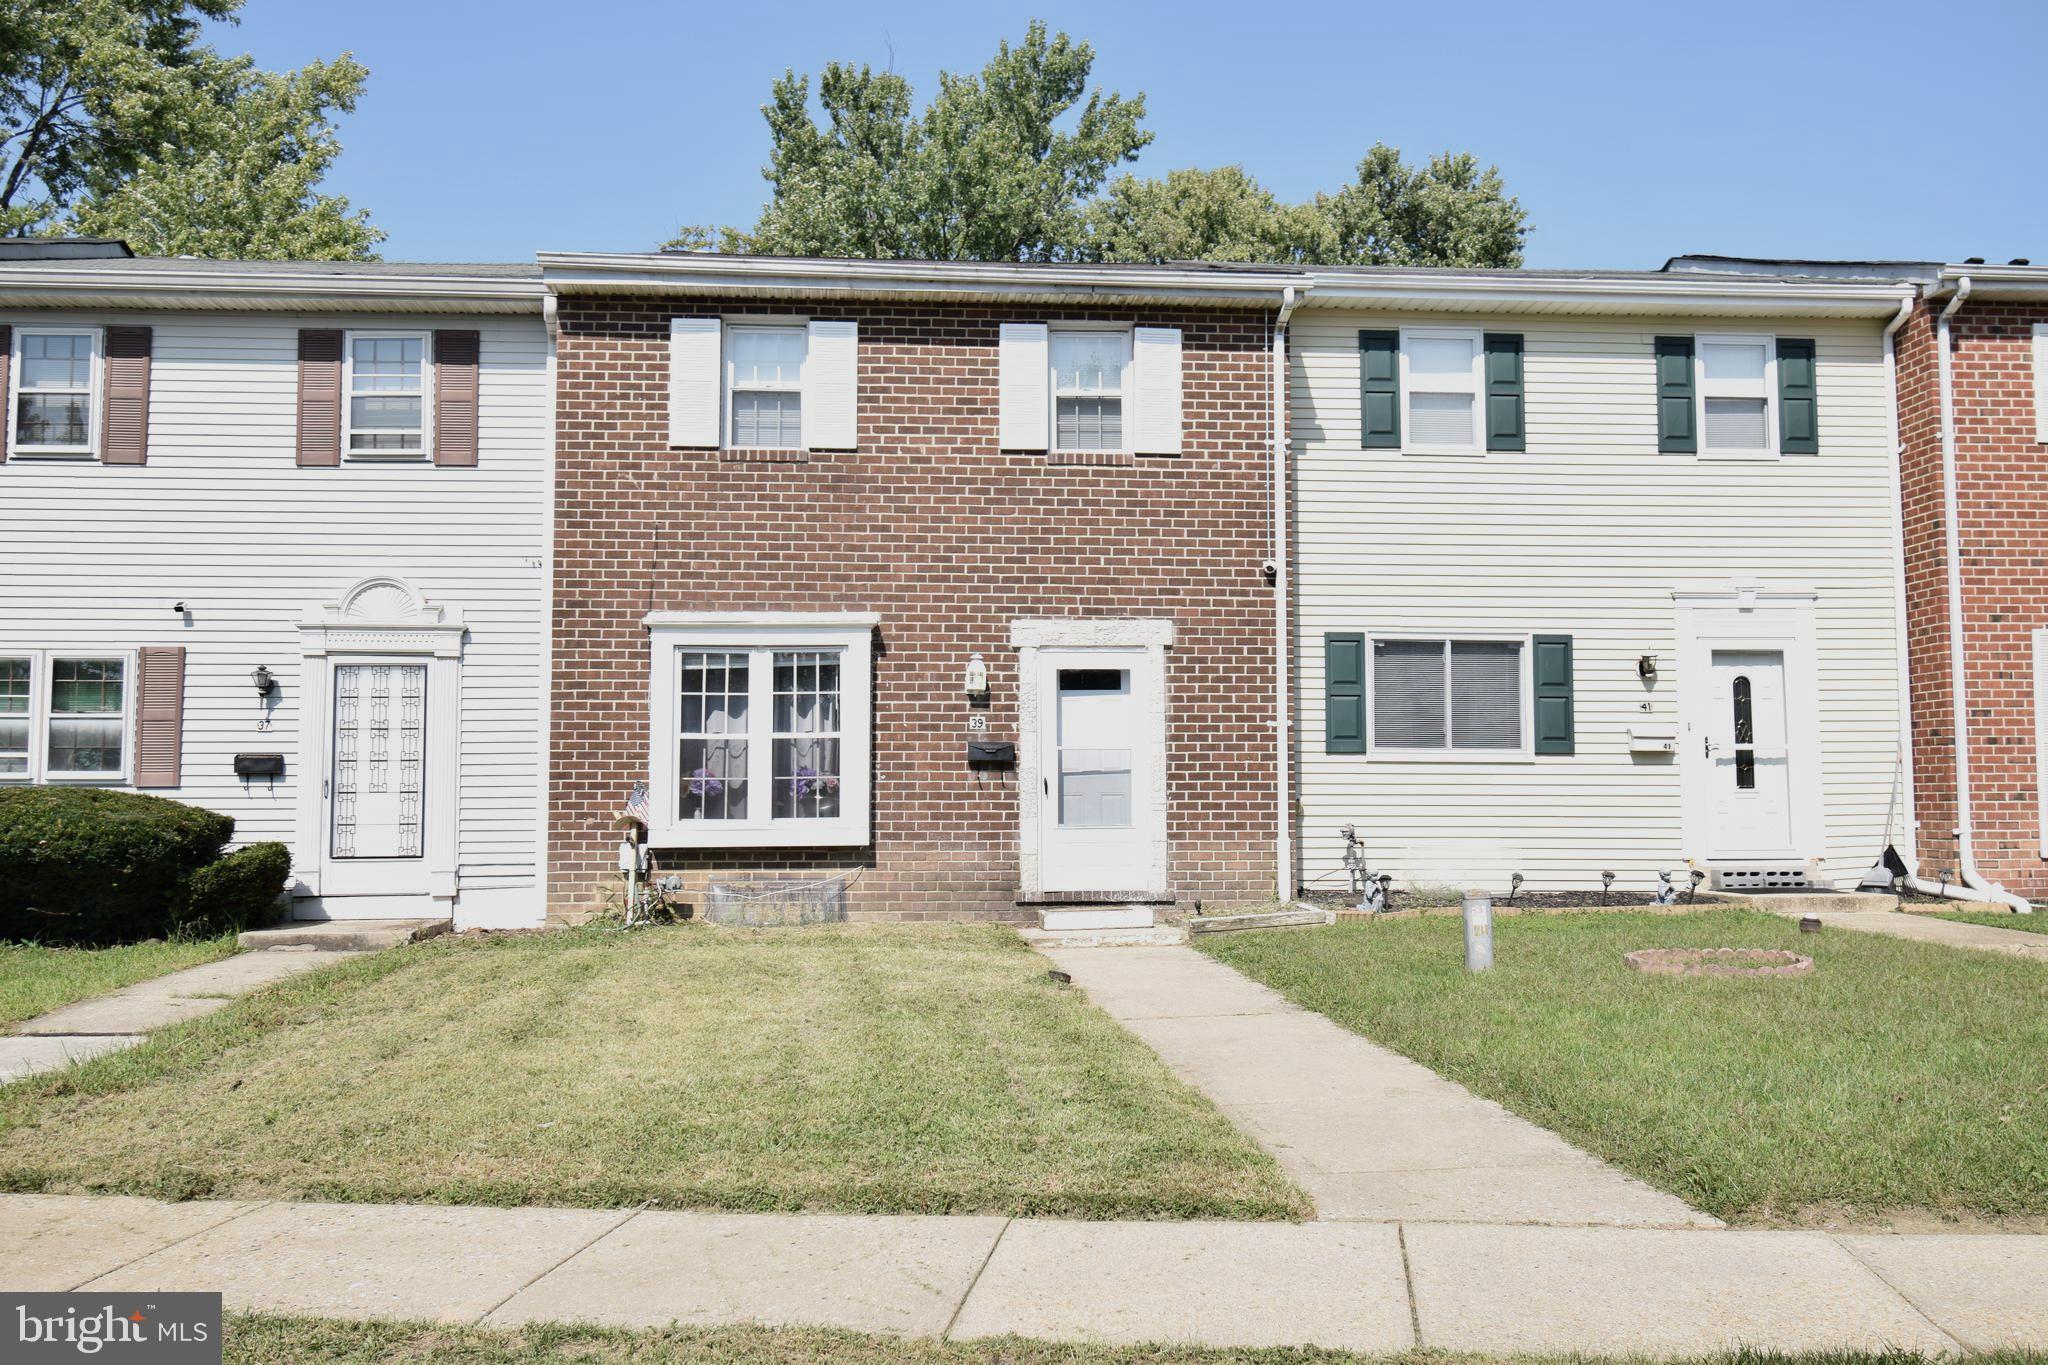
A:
{"points": [[223, 519], [1586, 533]]}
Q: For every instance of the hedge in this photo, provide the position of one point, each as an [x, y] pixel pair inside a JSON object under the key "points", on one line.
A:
{"points": [[84, 865]]}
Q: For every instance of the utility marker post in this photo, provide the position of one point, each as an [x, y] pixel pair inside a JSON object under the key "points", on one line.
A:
{"points": [[1478, 931]]}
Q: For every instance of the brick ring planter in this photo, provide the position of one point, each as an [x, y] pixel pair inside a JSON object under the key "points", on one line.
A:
{"points": [[1719, 962]]}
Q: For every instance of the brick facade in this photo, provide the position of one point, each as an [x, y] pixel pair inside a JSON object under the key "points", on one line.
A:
{"points": [[948, 539], [2002, 486]]}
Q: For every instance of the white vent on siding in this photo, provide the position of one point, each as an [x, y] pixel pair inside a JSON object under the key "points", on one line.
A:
{"points": [[1736, 424], [1440, 419], [1408, 694], [1486, 695]]}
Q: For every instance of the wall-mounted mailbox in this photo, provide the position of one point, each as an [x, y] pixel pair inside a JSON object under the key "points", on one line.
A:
{"points": [[991, 751], [1653, 737], [259, 765]]}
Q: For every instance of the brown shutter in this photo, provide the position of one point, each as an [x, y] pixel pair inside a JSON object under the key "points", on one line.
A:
{"points": [[6, 359], [319, 397], [160, 717], [124, 419], [455, 385]]}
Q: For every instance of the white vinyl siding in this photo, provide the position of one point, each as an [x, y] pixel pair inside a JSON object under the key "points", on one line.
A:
{"points": [[56, 376], [1585, 534], [225, 522]]}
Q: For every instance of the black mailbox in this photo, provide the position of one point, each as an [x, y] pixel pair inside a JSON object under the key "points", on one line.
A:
{"points": [[991, 751], [259, 765]]}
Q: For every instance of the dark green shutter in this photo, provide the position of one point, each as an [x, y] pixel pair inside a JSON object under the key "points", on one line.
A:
{"points": [[1553, 674], [1677, 430], [1344, 693], [1798, 398], [1504, 391], [1379, 389]]}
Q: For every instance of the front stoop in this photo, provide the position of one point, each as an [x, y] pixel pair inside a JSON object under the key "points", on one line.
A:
{"points": [[1157, 936], [344, 935]]}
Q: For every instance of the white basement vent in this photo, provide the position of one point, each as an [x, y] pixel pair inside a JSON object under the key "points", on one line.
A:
{"points": [[1762, 877]]}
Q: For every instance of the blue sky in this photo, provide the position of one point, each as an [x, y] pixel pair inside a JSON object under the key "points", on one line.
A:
{"points": [[1631, 131]]}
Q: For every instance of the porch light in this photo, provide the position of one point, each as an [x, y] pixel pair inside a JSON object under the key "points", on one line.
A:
{"points": [[265, 684], [977, 676], [1646, 668]]}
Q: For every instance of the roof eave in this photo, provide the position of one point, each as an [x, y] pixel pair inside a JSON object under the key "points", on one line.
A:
{"points": [[53, 286], [1685, 297], [1998, 281]]}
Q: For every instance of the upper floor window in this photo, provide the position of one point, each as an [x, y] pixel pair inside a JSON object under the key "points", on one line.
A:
{"points": [[1440, 372], [1738, 376], [56, 381], [389, 394], [765, 386], [1088, 389]]}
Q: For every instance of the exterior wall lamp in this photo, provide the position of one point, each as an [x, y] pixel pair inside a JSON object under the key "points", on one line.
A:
{"points": [[977, 676], [1646, 668], [265, 684]]}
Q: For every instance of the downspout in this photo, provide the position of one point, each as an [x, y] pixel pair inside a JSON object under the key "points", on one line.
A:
{"points": [[1951, 502], [1910, 831], [1283, 650]]}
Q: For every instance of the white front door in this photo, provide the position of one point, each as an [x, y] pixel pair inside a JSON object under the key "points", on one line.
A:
{"points": [[375, 833], [1095, 814], [1749, 757]]}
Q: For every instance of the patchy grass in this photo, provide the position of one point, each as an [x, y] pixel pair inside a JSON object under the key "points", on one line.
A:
{"points": [[267, 1340], [1899, 1076], [2036, 923], [35, 980], [927, 1069]]}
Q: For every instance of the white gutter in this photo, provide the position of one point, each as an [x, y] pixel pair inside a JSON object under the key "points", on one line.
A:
{"points": [[1966, 858], [1283, 646], [78, 283], [1506, 291]]}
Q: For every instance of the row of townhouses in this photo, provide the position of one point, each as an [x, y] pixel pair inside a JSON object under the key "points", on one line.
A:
{"points": [[1033, 590]]}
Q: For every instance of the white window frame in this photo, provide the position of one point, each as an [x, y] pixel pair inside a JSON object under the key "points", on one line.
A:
{"points": [[348, 393], [1727, 389], [95, 381], [1376, 752], [40, 669], [728, 390], [1443, 384], [762, 634], [1054, 393]]}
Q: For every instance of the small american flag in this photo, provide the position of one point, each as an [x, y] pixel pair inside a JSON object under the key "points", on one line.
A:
{"points": [[636, 803]]}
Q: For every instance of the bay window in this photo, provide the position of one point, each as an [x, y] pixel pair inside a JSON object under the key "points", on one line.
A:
{"points": [[760, 729]]}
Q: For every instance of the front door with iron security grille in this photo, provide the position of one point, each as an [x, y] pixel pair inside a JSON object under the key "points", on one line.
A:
{"points": [[376, 780]]}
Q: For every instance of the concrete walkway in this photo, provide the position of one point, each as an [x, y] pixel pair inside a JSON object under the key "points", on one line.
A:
{"points": [[1925, 929], [124, 1018], [1367, 1133], [1371, 1287]]}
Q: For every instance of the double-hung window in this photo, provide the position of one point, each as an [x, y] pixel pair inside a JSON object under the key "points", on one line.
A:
{"points": [[56, 389], [1088, 369], [1450, 696], [388, 388], [765, 386], [1738, 381], [760, 729], [1441, 377], [65, 717]]}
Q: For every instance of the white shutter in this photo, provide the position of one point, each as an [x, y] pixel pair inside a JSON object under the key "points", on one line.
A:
{"points": [[693, 381], [832, 387], [1154, 412], [1024, 383], [2041, 381]]}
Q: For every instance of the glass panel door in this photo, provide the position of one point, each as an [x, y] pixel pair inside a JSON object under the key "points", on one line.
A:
{"points": [[379, 778]]}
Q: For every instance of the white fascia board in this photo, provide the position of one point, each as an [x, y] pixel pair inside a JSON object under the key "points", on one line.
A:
{"points": [[56, 285], [1681, 295], [1997, 281]]}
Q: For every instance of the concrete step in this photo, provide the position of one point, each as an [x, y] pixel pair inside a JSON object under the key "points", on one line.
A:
{"points": [[1817, 902], [1292, 918], [343, 935], [1157, 936]]}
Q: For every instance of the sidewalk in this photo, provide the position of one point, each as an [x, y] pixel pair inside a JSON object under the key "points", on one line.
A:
{"points": [[1925, 929], [124, 1018], [1366, 1286], [1366, 1132]]}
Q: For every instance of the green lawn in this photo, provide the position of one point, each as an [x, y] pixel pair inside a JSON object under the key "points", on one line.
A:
{"points": [[1899, 1077], [267, 1340], [35, 980], [2036, 923], [928, 1069]]}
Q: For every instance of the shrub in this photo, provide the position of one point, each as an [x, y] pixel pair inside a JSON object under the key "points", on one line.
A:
{"points": [[237, 892], [78, 864]]}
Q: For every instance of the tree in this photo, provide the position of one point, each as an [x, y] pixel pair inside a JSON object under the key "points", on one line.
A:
{"points": [[1449, 213], [985, 173], [115, 118]]}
